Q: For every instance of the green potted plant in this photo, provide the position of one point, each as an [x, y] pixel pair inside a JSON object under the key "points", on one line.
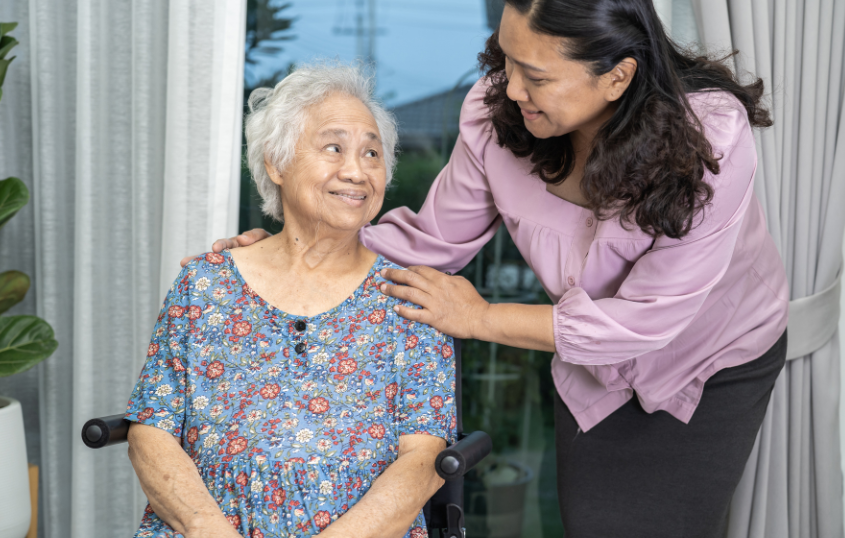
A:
{"points": [[24, 342]]}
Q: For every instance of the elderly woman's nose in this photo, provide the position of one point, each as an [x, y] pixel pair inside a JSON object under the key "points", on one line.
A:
{"points": [[352, 169]]}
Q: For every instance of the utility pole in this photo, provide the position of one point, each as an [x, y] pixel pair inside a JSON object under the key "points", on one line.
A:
{"points": [[359, 29], [371, 49], [365, 31]]}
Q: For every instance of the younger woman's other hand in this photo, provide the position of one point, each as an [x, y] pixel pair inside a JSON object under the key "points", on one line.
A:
{"points": [[243, 240]]}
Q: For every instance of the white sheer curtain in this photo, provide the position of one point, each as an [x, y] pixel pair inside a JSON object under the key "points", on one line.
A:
{"points": [[793, 482], [679, 18], [204, 113], [126, 127]]}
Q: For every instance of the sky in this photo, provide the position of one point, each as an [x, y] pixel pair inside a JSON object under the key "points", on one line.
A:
{"points": [[423, 46]]}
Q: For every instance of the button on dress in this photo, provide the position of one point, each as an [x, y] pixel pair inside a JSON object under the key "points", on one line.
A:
{"points": [[287, 442]]}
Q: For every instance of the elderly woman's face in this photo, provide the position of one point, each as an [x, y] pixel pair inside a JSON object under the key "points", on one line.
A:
{"points": [[338, 175]]}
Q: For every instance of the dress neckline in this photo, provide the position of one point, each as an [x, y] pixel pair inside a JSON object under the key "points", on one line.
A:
{"points": [[328, 313]]}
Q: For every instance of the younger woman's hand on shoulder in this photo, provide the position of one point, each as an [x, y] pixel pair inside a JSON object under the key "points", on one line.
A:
{"points": [[243, 240], [450, 304]]}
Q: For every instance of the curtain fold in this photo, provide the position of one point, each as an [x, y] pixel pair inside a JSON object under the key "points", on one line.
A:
{"points": [[126, 126], [204, 102], [52, 25], [119, 79], [792, 485]]}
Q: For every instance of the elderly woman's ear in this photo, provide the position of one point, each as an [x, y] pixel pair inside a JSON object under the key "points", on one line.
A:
{"points": [[273, 172]]}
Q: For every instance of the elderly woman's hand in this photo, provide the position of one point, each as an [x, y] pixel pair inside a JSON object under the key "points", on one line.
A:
{"points": [[449, 303], [218, 530], [173, 485]]}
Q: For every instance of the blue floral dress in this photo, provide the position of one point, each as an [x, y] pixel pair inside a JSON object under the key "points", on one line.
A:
{"points": [[289, 419]]}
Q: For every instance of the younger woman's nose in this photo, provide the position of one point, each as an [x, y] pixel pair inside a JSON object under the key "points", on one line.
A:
{"points": [[516, 88]]}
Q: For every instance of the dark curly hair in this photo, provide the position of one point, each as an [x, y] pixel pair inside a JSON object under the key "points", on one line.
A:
{"points": [[648, 161]]}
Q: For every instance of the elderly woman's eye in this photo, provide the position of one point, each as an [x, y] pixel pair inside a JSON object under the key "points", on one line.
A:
{"points": [[334, 147], [372, 153]]}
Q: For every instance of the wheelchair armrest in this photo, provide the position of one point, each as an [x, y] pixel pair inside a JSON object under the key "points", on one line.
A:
{"points": [[105, 431], [459, 458]]}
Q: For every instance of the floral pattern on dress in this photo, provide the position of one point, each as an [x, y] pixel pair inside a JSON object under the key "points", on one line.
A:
{"points": [[289, 419]]}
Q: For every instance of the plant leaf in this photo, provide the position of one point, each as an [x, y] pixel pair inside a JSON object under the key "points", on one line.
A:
{"points": [[13, 196], [4, 65], [13, 288], [24, 342], [6, 27], [7, 43]]}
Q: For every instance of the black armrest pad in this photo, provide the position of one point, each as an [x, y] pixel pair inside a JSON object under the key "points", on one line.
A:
{"points": [[459, 458], [105, 431]]}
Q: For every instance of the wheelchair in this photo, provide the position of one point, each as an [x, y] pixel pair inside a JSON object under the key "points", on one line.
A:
{"points": [[443, 512]]}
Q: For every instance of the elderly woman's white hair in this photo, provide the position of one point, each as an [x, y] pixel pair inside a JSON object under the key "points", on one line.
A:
{"points": [[277, 119]]}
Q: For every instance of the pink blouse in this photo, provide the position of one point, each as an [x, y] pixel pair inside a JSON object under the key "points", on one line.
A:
{"points": [[633, 314]]}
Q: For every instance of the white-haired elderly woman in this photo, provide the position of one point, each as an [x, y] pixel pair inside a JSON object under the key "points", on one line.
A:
{"points": [[282, 395]]}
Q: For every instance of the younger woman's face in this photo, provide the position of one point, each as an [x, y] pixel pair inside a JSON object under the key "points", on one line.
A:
{"points": [[557, 96]]}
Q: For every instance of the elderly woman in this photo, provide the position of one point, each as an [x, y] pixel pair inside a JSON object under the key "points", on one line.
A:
{"points": [[282, 395]]}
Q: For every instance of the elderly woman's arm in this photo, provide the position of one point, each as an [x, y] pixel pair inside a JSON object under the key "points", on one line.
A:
{"points": [[396, 497], [173, 486]]}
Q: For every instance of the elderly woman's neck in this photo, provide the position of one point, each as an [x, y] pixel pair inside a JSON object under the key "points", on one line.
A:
{"points": [[304, 275], [320, 251]]}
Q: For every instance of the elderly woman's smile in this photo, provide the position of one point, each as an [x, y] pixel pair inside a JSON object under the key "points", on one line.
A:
{"points": [[350, 197]]}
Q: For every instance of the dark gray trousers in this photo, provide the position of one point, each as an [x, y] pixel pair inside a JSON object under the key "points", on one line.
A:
{"points": [[637, 474]]}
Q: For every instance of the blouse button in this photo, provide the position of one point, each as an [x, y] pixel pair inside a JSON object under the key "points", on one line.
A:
{"points": [[299, 325], [300, 348], [571, 281], [589, 222]]}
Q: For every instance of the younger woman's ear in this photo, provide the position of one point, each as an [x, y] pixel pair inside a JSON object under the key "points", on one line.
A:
{"points": [[273, 172], [619, 78]]}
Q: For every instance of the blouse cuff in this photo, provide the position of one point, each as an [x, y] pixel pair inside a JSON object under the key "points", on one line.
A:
{"points": [[585, 335]]}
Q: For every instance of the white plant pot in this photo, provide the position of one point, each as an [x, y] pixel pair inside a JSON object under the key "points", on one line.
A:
{"points": [[15, 509]]}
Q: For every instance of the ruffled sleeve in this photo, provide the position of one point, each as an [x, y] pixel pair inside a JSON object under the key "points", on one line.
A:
{"points": [[458, 216], [667, 286], [160, 393], [426, 392]]}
